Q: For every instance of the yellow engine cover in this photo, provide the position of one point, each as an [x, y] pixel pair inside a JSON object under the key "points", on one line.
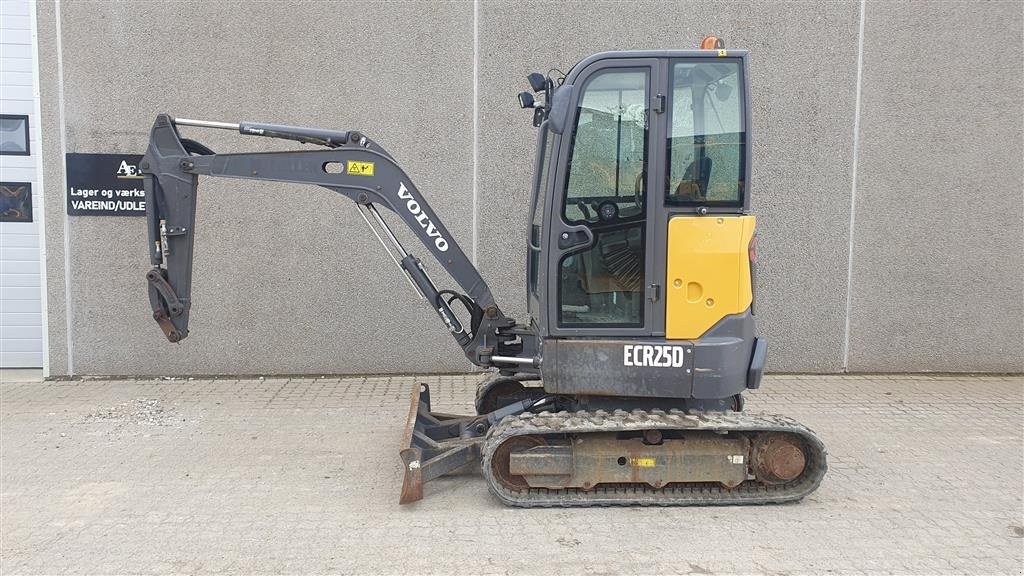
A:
{"points": [[708, 272]]}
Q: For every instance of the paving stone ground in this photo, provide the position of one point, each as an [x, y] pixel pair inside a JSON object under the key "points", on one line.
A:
{"points": [[302, 476]]}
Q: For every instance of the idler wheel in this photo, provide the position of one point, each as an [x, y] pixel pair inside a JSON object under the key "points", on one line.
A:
{"points": [[778, 458]]}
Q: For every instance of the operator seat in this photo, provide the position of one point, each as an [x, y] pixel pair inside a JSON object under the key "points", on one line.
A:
{"points": [[694, 185]]}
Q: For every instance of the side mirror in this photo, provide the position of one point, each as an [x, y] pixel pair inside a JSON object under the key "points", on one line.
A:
{"points": [[537, 81], [525, 100], [559, 113]]}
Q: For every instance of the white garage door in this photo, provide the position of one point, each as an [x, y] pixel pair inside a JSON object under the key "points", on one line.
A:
{"points": [[21, 318]]}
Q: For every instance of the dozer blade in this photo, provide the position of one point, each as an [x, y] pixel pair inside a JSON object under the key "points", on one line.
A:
{"points": [[433, 445]]}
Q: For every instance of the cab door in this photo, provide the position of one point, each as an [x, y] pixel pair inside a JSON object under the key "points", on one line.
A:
{"points": [[601, 255], [708, 235]]}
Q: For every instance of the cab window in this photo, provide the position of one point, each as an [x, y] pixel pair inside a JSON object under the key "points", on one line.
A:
{"points": [[707, 133], [609, 150], [537, 218]]}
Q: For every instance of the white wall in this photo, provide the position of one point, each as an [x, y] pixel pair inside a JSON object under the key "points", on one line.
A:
{"points": [[21, 307]]}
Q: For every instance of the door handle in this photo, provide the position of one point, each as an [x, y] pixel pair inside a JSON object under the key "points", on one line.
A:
{"points": [[576, 236]]}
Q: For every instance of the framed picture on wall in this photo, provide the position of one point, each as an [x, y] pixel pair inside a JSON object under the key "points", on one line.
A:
{"points": [[15, 201], [14, 135]]}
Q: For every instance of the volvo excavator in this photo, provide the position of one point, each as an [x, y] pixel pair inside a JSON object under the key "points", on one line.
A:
{"points": [[625, 384]]}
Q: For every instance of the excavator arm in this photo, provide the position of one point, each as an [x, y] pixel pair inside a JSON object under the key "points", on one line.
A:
{"points": [[354, 166]]}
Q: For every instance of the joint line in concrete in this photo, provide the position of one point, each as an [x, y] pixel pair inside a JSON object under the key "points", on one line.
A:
{"points": [[853, 190], [68, 308], [476, 126]]}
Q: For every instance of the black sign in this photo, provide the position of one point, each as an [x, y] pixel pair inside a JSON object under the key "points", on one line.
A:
{"points": [[105, 185]]}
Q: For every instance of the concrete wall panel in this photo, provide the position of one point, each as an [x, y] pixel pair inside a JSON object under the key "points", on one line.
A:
{"points": [[53, 198], [288, 279], [938, 275]]}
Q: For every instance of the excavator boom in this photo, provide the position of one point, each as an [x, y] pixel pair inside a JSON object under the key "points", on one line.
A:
{"points": [[353, 166]]}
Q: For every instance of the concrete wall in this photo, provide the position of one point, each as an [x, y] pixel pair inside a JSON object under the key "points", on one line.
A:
{"points": [[938, 241], [927, 193]]}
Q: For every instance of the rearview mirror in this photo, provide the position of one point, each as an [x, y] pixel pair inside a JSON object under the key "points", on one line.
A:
{"points": [[560, 101], [537, 81], [525, 100]]}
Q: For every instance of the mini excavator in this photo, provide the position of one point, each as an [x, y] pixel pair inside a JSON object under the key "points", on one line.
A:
{"points": [[625, 386]]}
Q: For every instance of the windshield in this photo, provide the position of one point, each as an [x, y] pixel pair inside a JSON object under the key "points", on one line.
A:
{"points": [[707, 133]]}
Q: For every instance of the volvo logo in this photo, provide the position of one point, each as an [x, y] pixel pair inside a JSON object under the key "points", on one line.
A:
{"points": [[417, 212]]}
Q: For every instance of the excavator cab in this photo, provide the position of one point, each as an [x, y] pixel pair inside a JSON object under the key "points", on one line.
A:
{"points": [[640, 227], [624, 387]]}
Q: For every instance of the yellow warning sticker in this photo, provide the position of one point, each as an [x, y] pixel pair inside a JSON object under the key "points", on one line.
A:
{"points": [[722, 53], [642, 462], [360, 168]]}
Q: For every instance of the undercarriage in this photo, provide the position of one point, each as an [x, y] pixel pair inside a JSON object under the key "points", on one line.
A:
{"points": [[537, 450]]}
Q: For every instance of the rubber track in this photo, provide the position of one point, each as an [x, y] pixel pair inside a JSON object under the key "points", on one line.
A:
{"points": [[677, 494]]}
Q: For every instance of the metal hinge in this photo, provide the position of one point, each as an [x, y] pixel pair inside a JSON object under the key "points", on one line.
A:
{"points": [[654, 292], [658, 105]]}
